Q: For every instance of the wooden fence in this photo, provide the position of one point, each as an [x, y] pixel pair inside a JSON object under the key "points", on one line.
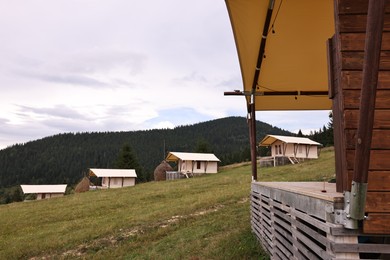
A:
{"points": [[301, 221]]}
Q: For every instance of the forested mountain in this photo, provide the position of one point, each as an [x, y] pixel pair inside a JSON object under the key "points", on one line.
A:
{"points": [[65, 158]]}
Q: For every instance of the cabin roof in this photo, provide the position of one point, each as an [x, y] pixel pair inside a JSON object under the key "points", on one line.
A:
{"points": [[293, 68], [270, 139], [175, 156], [112, 172], [55, 188]]}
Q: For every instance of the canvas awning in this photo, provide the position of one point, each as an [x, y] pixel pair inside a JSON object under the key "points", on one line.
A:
{"points": [[293, 71], [175, 156], [112, 173], [270, 139], [55, 188]]}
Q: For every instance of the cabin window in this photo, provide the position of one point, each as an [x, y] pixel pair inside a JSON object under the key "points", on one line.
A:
{"points": [[197, 165], [276, 149], [280, 149]]}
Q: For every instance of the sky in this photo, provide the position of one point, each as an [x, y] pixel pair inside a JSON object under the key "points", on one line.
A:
{"points": [[120, 65]]}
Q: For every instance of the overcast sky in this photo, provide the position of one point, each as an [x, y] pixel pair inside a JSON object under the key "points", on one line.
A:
{"points": [[120, 65]]}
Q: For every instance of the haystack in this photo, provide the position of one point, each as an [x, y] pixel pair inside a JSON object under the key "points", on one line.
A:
{"points": [[83, 185], [160, 171]]}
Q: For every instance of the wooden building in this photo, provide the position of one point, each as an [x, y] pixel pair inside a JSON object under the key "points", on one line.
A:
{"points": [[45, 191], [350, 90], [115, 178], [325, 54], [194, 163]]}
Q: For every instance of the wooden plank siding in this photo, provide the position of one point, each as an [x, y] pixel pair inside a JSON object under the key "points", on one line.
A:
{"points": [[290, 229], [353, 80], [376, 223], [346, 56], [355, 7], [357, 23], [377, 180]]}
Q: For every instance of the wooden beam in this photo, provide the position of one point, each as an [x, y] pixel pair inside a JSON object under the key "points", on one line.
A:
{"points": [[372, 55], [335, 93], [295, 149], [375, 19]]}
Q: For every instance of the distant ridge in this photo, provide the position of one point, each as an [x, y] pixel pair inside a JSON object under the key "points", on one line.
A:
{"points": [[64, 158]]}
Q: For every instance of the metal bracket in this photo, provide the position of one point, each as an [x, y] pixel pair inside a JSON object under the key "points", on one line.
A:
{"points": [[358, 200], [343, 217]]}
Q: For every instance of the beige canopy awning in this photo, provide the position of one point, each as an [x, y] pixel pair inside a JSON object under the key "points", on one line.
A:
{"points": [[54, 188], [293, 71], [112, 172], [175, 156], [270, 139]]}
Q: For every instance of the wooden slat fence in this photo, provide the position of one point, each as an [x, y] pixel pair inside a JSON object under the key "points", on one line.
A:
{"points": [[287, 231]]}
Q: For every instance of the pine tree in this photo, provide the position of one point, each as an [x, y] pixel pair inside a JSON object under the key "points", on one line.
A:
{"points": [[17, 194], [128, 160], [203, 146]]}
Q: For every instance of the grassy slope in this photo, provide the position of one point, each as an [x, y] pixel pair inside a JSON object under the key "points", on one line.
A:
{"points": [[198, 218]]}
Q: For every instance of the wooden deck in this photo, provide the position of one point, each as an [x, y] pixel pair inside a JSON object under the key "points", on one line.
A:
{"points": [[320, 190], [299, 220]]}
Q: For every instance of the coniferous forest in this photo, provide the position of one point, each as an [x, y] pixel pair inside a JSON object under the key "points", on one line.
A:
{"points": [[66, 158]]}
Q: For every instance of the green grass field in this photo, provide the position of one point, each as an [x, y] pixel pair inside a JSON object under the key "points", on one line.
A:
{"points": [[199, 218]]}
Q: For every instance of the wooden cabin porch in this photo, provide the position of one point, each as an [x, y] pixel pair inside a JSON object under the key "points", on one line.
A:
{"points": [[351, 220], [305, 220]]}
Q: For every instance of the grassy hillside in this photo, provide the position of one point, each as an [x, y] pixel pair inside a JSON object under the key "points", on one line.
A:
{"points": [[198, 218]]}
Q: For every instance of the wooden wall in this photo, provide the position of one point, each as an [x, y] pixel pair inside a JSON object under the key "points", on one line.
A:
{"points": [[346, 54]]}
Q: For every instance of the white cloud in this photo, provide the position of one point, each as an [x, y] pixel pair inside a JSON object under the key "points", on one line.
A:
{"points": [[295, 120], [164, 125], [75, 66]]}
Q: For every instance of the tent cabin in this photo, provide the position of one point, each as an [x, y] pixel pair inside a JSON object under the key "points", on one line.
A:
{"points": [[194, 163], [45, 191], [291, 147], [115, 178], [321, 55]]}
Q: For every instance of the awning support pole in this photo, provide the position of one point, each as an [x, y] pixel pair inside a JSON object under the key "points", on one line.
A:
{"points": [[252, 137], [262, 44], [251, 105], [252, 94], [372, 51]]}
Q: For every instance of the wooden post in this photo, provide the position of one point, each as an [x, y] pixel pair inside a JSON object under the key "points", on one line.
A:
{"points": [[251, 105], [252, 137], [372, 50]]}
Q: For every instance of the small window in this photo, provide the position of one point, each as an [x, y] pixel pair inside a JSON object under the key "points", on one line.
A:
{"points": [[276, 149], [280, 149], [197, 165]]}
